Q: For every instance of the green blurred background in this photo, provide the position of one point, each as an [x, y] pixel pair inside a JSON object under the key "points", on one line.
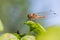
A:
{"points": [[13, 15]]}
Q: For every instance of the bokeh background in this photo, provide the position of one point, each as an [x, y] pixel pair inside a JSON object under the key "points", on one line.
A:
{"points": [[13, 13]]}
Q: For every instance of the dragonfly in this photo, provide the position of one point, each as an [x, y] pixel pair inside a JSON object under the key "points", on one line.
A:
{"points": [[33, 16]]}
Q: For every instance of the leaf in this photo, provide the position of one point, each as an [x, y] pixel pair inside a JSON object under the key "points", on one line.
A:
{"points": [[36, 27], [1, 26]]}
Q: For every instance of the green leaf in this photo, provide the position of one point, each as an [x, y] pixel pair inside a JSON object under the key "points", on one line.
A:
{"points": [[53, 33], [1, 26], [35, 26]]}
